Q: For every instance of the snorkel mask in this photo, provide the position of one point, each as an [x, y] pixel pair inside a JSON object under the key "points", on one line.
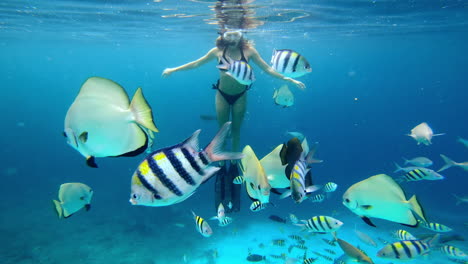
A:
{"points": [[232, 35]]}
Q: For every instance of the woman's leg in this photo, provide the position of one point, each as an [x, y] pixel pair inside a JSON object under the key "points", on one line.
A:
{"points": [[238, 113], [222, 109]]}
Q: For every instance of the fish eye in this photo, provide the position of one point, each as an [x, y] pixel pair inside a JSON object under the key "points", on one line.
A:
{"points": [[134, 196], [347, 200]]}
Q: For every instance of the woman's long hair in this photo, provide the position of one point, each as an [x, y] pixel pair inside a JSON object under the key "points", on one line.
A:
{"points": [[221, 43]]}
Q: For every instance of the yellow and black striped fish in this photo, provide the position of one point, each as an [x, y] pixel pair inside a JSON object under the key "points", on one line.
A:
{"points": [[435, 227], [321, 224], [309, 260], [257, 206], [225, 221], [404, 235], [295, 237], [238, 180], [330, 187], [282, 256], [202, 226], [278, 242], [290, 63], [170, 175], [422, 174], [452, 251], [329, 242], [406, 249]]}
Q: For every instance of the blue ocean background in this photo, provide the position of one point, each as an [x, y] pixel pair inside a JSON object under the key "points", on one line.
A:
{"points": [[379, 69]]}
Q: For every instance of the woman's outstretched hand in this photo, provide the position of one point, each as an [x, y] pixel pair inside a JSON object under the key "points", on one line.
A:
{"points": [[299, 84], [167, 72]]}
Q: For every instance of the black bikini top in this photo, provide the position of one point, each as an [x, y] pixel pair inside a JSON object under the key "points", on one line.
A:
{"points": [[224, 56]]}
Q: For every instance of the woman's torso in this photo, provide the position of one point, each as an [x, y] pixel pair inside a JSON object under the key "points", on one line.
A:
{"points": [[228, 84]]}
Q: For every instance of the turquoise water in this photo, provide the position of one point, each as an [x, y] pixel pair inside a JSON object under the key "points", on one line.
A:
{"points": [[379, 69]]}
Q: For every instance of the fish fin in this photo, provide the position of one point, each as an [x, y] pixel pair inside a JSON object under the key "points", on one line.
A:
{"points": [[209, 172], [287, 193], [87, 207], [433, 241], [412, 226], [405, 159], [214, 218], [223, 67], [283, 153], [83, 137], [275, 191], [142, 111], [310, 156], [91, 162], [458, 199], [417, 208], [366, 207], [313, 188], [275, 94], [398, 168], [448, 163], [440, 134], [367, 221], [225, 63], [192, 141], [58, 208], [214, 149]]}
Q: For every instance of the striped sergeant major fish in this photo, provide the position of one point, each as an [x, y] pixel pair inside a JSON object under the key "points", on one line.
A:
{"points": [[404, 235], [455, 252], [257, 206], [419, 174], [330, 187], [321, 224], [240, 70], [239, 180], [407, 249], [435, 227], [317, 198], [225, 221], [299, 171], [171, 175], [290, 63], [202, 226]]}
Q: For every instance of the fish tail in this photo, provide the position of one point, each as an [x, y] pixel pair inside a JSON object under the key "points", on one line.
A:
{"points": [[431, 242], [142, 111], [458, 199], [405, 159], [310, 156], [448, 163], [417, 208], [58, 208], [214, 149], [398, 168]]}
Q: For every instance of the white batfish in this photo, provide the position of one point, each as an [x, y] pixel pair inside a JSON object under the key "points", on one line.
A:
{"points": [[380, 196], [283, 96], [72, 197], [256, 181], [422, 133], [102, 122]]}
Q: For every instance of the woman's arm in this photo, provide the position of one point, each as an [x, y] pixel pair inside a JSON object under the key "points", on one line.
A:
{"points": [[255, 56], [194, 64]]}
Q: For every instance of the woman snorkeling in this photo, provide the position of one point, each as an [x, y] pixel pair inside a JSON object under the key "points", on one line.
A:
{"points": [[231, 101], [231, 97]]}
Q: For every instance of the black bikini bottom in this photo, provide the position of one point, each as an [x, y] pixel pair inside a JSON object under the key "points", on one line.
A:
{"points": [[230, 98]]}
